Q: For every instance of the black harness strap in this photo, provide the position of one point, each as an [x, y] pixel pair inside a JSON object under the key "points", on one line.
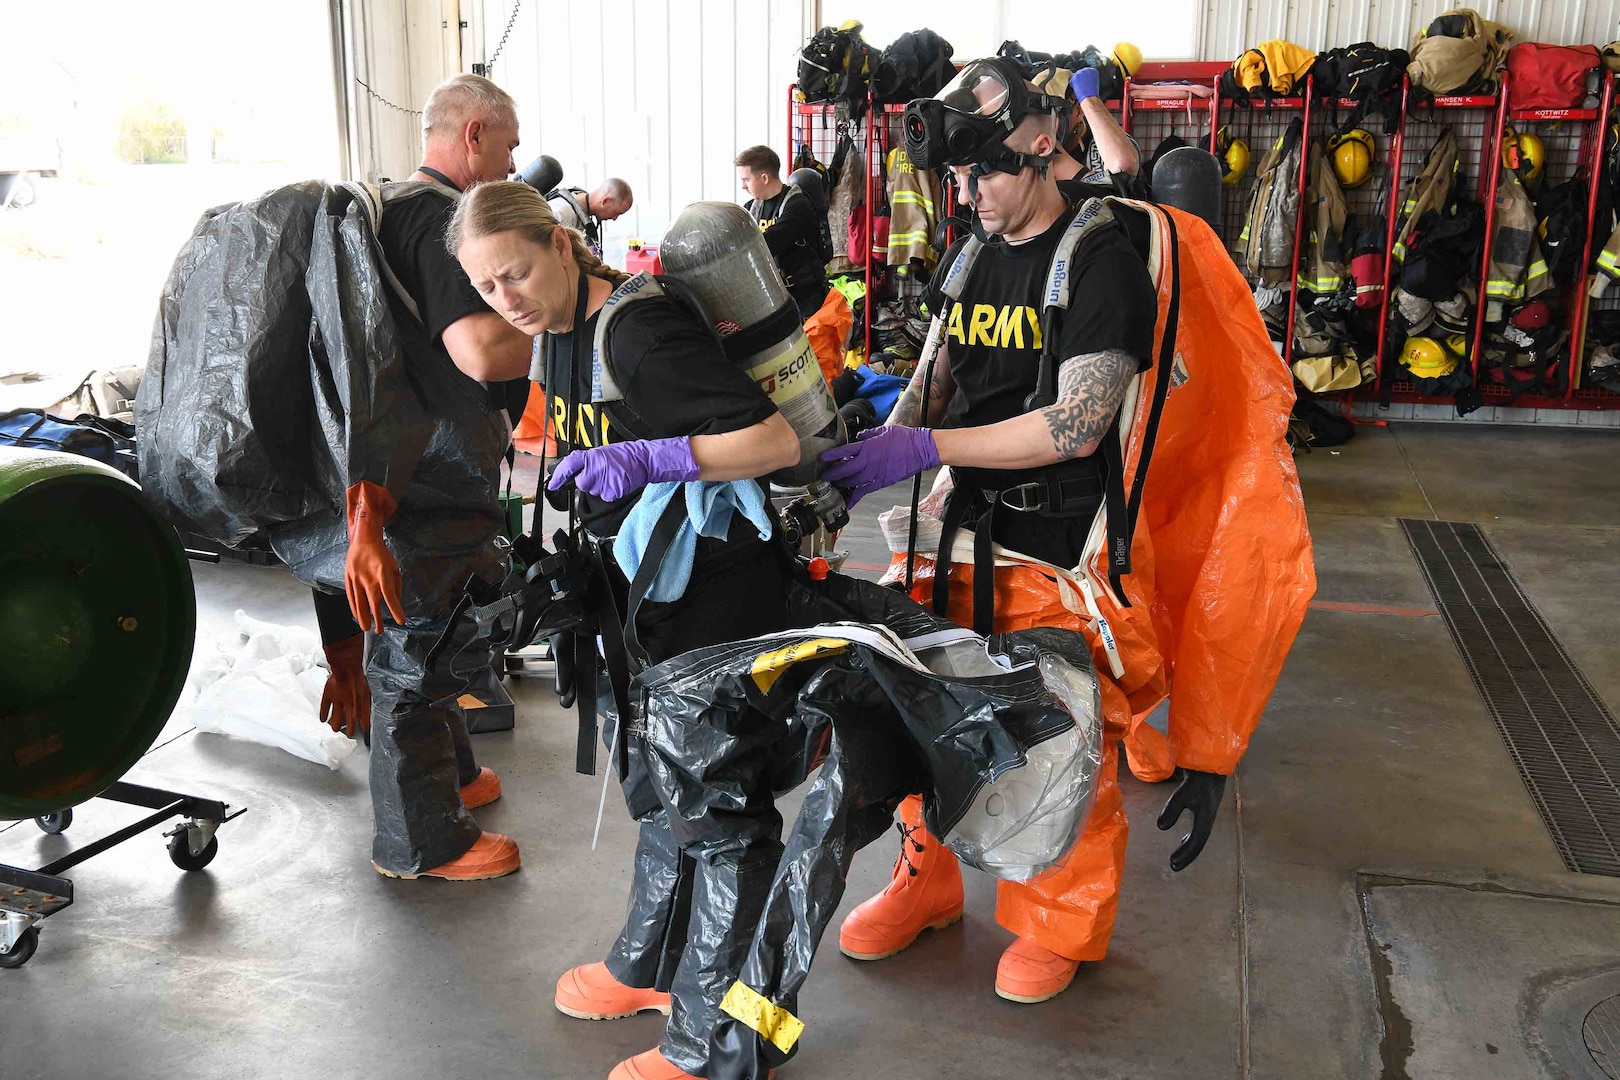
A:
{"points": [[1162, 377], [957, 504], [984, 573], [439, 176], [617, 664], [663, 535], [1119, 526]]}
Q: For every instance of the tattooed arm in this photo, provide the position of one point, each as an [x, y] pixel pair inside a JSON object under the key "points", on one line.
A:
{"points": [[908, 410], [1090, 389]]}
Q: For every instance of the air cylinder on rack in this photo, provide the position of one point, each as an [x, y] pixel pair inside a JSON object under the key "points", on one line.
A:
{"points": [[719, 254]]}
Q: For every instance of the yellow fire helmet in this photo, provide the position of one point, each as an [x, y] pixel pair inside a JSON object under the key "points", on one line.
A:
{"points": [[1234, 155], [1128, 57], [1426, 358], [1353, 154], [1524, 153]]}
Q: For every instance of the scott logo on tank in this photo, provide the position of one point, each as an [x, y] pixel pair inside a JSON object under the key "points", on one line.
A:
{"points": [[784, 373]]}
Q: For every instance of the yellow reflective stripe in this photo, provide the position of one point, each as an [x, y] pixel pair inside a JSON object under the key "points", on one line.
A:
{"points": [[1504, 290], [779, 1027], [1400, 252], [768, 667], [1537, 269], [912, 198], [1320, 285], [1609, 260]]}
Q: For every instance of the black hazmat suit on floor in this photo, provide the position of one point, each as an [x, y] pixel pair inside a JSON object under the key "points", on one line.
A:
{"points": [[676, 381], [286, 368], [1003, 738]]}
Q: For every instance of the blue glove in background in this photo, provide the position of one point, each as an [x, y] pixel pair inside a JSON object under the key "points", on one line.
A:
{"points": [[1085, 84], [611, 472], [878, 458]]}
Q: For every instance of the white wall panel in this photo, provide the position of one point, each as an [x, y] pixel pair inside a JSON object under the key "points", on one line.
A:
{"points": [[660, 92]]}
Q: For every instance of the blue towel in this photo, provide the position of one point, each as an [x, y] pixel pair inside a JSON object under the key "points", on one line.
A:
{"points": [[709, 507]]}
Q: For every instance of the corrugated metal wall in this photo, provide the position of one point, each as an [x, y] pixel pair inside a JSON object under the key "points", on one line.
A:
{"points": [[660, 92], [1230, 27]]}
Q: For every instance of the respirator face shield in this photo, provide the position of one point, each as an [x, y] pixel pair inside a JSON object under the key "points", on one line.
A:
{"points": [[969, 121]]}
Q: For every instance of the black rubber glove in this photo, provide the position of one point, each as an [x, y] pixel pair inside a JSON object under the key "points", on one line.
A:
{"points": [[562, 661], [1201, 793]]}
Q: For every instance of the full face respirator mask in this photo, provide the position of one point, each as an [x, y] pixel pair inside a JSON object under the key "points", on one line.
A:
{"points": [[969, 121]]}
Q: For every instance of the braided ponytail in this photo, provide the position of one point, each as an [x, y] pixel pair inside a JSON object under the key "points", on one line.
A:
{"points": [[590, 263]]}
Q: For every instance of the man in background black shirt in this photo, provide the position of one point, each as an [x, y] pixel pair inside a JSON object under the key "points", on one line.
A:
{"points": [[788, 219]]}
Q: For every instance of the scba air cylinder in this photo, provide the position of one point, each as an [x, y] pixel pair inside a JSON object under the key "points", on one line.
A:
{"points": [[719, 254]]}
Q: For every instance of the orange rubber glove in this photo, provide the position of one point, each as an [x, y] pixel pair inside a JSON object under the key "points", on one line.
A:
{"points": [[370, 574], [346, 701]]}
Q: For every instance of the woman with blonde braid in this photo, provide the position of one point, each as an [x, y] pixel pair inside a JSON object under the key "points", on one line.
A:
{"points": [[681, 411]]}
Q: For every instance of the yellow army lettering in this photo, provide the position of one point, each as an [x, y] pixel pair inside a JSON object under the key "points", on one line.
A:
{"points": [[590, 426], [996, 328]]}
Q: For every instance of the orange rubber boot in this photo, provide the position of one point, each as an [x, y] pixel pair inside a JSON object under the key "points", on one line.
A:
{"points": [[491, 856], [483, 790], [648, 1065], [590, 992], [1029, 973], [924, 894]]}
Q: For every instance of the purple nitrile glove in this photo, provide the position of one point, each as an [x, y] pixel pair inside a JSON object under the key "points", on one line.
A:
{"points": [[877, 458], [611, 472], [1085, 83]]}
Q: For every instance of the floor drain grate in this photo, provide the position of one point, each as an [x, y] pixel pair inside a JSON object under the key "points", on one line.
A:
{"points": [[1562, 738], [1601, 1032]]}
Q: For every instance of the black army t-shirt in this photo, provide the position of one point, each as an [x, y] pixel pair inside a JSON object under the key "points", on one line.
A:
{"points": [[675, 381], [993, 339], [412, 237], [788, 220]]}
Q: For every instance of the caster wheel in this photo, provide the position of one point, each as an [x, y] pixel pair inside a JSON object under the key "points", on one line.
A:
{"points": [[22, 952], [180, 852], [55, 823]]}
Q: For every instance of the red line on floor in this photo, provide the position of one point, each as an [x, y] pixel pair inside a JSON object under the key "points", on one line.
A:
{"points": [[1374, 609]]}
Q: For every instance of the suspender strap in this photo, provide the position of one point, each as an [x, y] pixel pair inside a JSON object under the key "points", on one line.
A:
{"points": [[958, 505], [1119, 528], [617, 663], [663, 535], [984, 574], [587, 670], [1161, 377], [956, 510]]}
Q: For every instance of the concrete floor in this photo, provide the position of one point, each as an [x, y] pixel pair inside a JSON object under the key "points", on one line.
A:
{"points": [[1379, 898]]}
